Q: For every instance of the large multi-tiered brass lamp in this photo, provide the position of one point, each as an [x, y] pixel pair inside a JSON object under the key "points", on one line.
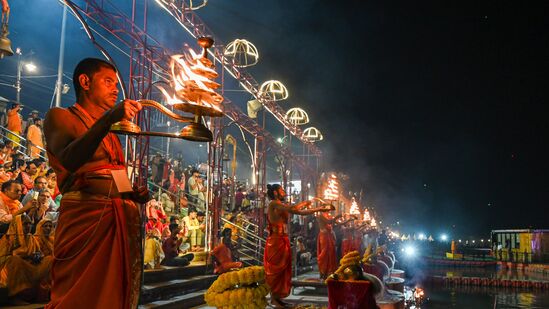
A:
{"points": [[192, 91]]}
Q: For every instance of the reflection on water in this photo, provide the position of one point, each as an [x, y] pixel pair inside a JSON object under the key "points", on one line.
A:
{"points": [[440, 297], [487, 272]]}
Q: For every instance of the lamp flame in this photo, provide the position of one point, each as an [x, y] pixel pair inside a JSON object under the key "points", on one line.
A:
{"points": [[332, 189], [354, 208], [192, 81], [366, 216]]}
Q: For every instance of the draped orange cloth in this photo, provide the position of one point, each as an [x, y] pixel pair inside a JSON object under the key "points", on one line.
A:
{"points": [[17, 273], [97, 245], [14, 121], [97, 253], [326, 252], [45, 242], [277, 261], [224, 257], [34, 135], [15, 125], [347, 242], [13, 205], [357, 239]]}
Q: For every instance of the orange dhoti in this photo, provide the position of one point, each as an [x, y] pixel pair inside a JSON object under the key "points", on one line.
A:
{"points": [[97, 253], [278, 265], [347, 245], [326, 252]]}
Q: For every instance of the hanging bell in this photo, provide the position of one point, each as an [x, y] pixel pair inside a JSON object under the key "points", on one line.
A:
{"points": [[5, 43]]}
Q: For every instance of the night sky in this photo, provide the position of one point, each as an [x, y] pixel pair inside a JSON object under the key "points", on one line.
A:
{"points": [[437, 110]]}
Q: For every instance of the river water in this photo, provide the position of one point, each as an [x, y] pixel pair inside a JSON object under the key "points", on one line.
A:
{"points": [[441, 296]]}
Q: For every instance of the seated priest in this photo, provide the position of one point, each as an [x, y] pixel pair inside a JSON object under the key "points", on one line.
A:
{"points": [[222, 254]]}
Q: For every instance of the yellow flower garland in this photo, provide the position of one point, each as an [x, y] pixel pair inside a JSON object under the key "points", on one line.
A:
{"points": [[240, 289]]}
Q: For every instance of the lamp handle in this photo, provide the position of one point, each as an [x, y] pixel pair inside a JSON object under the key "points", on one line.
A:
{"points": [[163, 109]]}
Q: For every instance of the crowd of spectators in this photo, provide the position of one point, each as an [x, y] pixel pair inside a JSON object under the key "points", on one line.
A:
{"points": [[29, 201]]}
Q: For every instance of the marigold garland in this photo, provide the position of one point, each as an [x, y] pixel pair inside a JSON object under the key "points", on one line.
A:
{"points": [[241, 289]]}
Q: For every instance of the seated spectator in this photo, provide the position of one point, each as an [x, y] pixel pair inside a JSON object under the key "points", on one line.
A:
{"points": [[193, 225], [41, 167], [38, 213], [166, 203], [199, 233], [152, 224], [51, 177], [303, 256], [238, 197], [6, 150], [44, 236], [40, 183], [246, 203], [170, 246], [165, 233], [17, 167], [154, 209], [232, 225], [10, 205], [27, 175], [153, 250], [222, 254], [3, 175], [23, 268]]}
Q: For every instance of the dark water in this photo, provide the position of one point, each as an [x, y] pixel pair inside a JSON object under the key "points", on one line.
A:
{"points": [[441, 296], [487, 272]]}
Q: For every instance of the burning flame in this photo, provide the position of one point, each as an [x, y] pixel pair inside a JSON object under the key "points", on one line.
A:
{"points": [[192, 79], [332, 189], [366, 216], [418, 293], [354, 208]]}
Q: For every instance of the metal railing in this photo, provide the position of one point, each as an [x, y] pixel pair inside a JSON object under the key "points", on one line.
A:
{"points": [[20, 142], [250, 245], [155, 188]]}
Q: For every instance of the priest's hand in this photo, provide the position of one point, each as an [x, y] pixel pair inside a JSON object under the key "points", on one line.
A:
{"points": [[141, 194], [125, 110]]}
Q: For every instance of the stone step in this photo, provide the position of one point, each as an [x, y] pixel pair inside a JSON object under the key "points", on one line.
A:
{"points": [[168, 289], [167, 273], [189, 300]]}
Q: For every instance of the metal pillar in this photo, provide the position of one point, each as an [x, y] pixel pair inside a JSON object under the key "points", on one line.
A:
{"points": [[59, 84]]}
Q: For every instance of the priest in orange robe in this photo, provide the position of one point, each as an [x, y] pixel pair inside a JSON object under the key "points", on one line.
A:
{"points": [[326, 246], [223, 254], [15, 124], [277, 259], [34, 136], [97, 246]]}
